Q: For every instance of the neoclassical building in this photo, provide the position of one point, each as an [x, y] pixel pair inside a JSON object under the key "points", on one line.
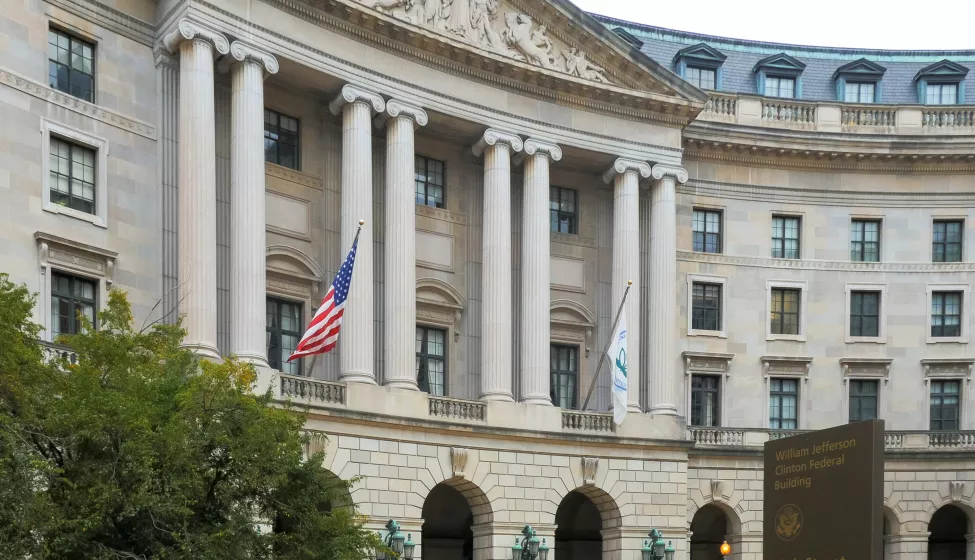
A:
{"points": [[789, 227]]}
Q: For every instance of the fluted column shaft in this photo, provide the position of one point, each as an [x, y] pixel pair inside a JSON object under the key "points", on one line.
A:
{"points": [[663, 289], [535, 274], [497, 147], [197, 176], [248, 245], [400, 255], [357, 337]]}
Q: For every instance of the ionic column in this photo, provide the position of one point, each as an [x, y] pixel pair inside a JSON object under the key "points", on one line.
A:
{"points": [[663, 289], [399, 294], [247, 243], [535, 283], [625, 175], [197, 179], [497, 147], [357, 106]]}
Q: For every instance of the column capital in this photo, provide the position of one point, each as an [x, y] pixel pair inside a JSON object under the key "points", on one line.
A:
{"points": [[396, 108], [677, 172], [547, 147], [357, 94], [243, 51], [188, 29], [494, 136], [622, 165]]}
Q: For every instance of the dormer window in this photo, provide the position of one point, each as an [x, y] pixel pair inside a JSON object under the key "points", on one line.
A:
{"points": [[779, 75], [700, 65], [942, 83], [859, 81]]}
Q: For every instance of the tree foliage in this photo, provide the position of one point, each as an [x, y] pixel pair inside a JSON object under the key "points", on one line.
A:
{"points": [[140, 451]]}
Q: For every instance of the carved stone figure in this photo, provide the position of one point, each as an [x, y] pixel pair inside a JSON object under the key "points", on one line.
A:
{"points": [[483, 13], [518, 35], [458, 18], [577, 65], [401, 9]]}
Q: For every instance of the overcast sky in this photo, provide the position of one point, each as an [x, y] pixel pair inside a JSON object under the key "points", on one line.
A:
{"points": [[881, 24]]}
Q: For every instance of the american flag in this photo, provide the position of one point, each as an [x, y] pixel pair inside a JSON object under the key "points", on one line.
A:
{"points": [[323, 332]]}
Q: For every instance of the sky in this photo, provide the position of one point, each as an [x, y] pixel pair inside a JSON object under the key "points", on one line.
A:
{"points": [[887, 24]]}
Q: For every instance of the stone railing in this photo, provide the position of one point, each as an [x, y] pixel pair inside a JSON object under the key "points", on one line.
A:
{"points": [[721, 107], [868, 118], [54, 352], [718, 436], [911, 441], [587, 421], [788, 112], [457, 409], [960, 118], [312, 390]]}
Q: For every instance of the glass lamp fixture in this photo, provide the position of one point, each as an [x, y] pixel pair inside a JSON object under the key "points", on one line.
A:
{"points": [[669, 551], [645, 552], [543, 551], [408, 547], [725, 549]]}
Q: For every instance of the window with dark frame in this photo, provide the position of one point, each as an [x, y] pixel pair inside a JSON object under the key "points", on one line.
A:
{"points": [[71, 298], [859, 92], [705, 401], [431, 360], [946, 314], [941, 94], [563, 210], [780, 87], [281, 139], [945, 399], [71, 65], [72, 175], [786, 303], [785, 237], [283, 333], [705, 306], [784, 404], [702, 78], [946, 240], [706, 225], [565, 375], [865, 313], [863, 399], [429, 181], [865, 240]]}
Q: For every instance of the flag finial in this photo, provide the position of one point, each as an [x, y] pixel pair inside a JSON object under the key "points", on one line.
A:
{"points": [[362, 222], [629, 282]]}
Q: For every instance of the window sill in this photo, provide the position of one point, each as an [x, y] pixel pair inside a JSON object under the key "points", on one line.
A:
{"points": [[76, 214], [712, 334], [866, 340], [788, 337], [947, 340]]}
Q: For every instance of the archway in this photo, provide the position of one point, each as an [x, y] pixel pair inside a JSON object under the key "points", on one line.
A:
{"points": [[948, 528], [582, 520], [447, 523], [709, 528]]}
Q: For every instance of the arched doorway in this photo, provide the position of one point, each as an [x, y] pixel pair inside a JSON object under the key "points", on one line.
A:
{"points": [[578, 535], [709, 528], [447, 522], [948, 528]]}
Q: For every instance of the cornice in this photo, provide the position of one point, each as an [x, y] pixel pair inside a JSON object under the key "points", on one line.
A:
{"points": [[842, 266], [108, 17], [40, 91]]}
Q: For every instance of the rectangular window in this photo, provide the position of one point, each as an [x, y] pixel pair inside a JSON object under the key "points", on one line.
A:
{"points": [[283, 333], [706, 307], [859, 92], [702, 78], [72, 175], [865, 241], [281, 139], [71, 298], [71, 65], [946, 240], [785, 310], [431, 360], [946, 314], [707, 231], [565, 375], [942, 94], [780, 87], [562, 210], [705, 393], [863, 399], [784, 404], [429, 181], [865, 314], [945, 398], [785, 237]]}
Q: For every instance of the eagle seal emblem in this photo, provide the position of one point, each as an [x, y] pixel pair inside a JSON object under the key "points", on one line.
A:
{"points": [[788, 522]]}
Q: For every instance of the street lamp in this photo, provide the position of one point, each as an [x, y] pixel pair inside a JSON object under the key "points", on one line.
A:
{"points": [[533, 549], [654, 548], [395, 541], [725, 549]]}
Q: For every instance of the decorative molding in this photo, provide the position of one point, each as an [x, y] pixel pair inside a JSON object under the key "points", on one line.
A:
{"points": [[707, 363], [589, 467], [288, 282], [288, 287], [543, 146], [396, 108], [458, 461], [956, 490], [866, 367], [108, 17], [40, 91], [948, 367], [786, 366], [74, 255], [761, 262], [576, 330], [293, 176], [824, 197], [441, 214], [622, 165], [189, 28], [660, 171], [570, 239], [492, 136], [446, 310], [717, 490], [351, 94], [242, 51]]}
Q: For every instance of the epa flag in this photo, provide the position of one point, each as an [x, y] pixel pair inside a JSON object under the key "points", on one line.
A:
{"points": [[617, 359]]}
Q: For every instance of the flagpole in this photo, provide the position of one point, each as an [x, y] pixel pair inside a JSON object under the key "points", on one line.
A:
{"points": [[602, 355]]}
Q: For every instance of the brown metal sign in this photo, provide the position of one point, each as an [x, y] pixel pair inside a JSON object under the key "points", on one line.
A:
{"points": [[824, 494]]}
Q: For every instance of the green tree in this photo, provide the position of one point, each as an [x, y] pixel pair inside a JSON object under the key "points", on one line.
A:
{"points": [[140, 451]]}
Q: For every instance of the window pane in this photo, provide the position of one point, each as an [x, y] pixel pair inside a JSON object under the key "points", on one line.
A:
{"points": [[431, 360]]}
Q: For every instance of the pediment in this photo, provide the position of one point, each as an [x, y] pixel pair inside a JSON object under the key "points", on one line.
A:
{"points": [[549, 47], [701, 53], [293, 262], [437, 292], [861, 67], [571, 313], [942, 69], [780, 62]]}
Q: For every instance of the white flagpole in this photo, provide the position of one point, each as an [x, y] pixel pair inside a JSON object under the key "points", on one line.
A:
{"points": [[602, 356]]}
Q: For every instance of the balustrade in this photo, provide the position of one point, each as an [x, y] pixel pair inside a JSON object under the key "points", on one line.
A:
{"points": [[963, 117], [718, 436], [458, 409], [587, 421], [788, 112], [54, 352], [313, 390], [867, 116], [721, 107]]}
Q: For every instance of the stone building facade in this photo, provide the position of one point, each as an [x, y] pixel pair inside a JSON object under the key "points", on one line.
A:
{"points": [[795, 222]]}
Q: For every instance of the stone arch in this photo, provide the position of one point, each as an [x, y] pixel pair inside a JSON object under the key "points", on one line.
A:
{"points": [[291, 261], [476, 498], [573, 312], [933, 507], [439, 303], [892, 521], [453, 512], [609, 511], [341, 499], [735, 524], [948, 530], [588, 525]]}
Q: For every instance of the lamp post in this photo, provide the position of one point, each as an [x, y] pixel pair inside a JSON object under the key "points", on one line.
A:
{"points": [[533, 549], [401, 546], [655, 549], [725, 550]]}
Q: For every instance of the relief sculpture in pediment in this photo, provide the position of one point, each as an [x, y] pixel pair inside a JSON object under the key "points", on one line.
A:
{"points": [[483, 22]]}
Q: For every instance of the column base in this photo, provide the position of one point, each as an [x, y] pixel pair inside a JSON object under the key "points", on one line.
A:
{"points": [[357, 377], [402, 384], [255, 360], [497, 397], [634, 409], [203, 350], [537, 401], [663, 409]]}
